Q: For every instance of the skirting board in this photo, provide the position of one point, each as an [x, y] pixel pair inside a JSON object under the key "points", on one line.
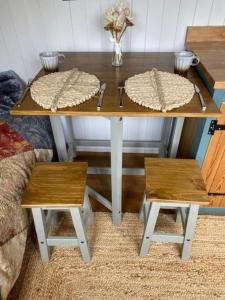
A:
{"points": [[220, 211], [128, 146]]}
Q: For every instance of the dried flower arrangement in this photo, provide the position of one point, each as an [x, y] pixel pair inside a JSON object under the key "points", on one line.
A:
{"points": [[117, 19]]}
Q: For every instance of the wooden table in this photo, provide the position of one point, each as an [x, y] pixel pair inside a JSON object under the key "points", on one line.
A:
{"points": [[100, 65]]}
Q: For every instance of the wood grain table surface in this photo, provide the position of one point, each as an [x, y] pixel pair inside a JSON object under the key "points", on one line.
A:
{"points": [[208, 42], [181, 181], [56, 185], [134, 63]]}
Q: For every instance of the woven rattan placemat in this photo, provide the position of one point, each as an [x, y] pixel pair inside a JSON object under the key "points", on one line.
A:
{"points": [[63, 89], [159, 90]]}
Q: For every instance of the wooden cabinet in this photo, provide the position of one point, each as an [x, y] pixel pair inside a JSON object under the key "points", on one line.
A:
{"points": [[213, 167], [209, 150], [208, 43]]}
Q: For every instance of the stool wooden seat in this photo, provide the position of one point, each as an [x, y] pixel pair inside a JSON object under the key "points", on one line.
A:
{"points": [[177, 184], [59, 186]]}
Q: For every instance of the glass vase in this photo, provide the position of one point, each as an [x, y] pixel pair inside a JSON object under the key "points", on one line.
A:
{"points": [[117, 60]]}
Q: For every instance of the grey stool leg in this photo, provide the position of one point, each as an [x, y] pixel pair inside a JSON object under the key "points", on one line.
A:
{"points": [[81, 234], [191, 221], [41, 230], [88, 213], [149, 228], [178, 216], [52, 217], [181, 216], [141, 212]]}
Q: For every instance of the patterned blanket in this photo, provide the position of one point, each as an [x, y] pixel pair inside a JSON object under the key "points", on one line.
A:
{"points": [[36, 130], [16, 161], [11, 143], [23, 141]]}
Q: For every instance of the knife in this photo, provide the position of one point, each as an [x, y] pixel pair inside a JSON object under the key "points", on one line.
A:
{"points": [[101, 95], [120, 88], [197, 90], [24, 93]]}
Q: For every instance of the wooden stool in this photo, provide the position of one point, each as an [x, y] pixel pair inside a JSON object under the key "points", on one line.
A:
{"points": [[177, 184], [55, 187]]}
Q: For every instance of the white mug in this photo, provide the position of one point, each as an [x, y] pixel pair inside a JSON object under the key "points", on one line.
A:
{"points": [[51, 59], [185, 59]]}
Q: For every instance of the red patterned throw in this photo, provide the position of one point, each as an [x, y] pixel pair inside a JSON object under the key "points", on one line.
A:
{"points": [[11, 142]]}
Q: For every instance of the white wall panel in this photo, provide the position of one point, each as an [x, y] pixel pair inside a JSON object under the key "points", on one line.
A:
{"points": [[202, 12], [154, 25], [138, 32], [4, 57], [94, 22], [28, 27], [64, 34], [25, 45], [51, 26], [217, 14], [185, 18], [134, 129], [79, 25], [36, 28], [106, 45], [11, 40], [169, 25], [142, 129], [153, 129]]}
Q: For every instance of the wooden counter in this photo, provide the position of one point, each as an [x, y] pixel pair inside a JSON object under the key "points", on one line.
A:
{"points": [[134, 63], [208, 43]]}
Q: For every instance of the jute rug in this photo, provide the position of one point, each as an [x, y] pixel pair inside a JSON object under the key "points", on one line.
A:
{"points": [[117, 272]]}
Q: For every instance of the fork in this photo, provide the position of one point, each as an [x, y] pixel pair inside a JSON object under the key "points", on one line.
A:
{"points": [[120, 88]]}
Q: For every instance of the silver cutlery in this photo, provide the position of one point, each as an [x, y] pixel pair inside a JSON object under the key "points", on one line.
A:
{"points": [[120, 88], [202, 102], [101, 95], [24, 93]]}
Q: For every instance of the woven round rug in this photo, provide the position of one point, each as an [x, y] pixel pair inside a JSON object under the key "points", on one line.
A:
{"points": [[117, 272], [159, 90], [64, 89]]}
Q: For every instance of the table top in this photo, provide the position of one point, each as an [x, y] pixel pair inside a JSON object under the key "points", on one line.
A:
{"points": [[208, 42], [134, 63]]}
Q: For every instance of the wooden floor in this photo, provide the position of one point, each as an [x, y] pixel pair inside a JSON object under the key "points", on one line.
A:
{"points": [[133, 186]]}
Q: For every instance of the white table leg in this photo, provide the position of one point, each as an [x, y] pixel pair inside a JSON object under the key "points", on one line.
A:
{"points": [[59, 137], [178, 124], [176, 135], [69, 136], [116, 167], [165, 137]]}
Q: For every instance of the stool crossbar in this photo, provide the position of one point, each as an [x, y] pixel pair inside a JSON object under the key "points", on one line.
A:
{"points": [[166, 180], [150, 214]]}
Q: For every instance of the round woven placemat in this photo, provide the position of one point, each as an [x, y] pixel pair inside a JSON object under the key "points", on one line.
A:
{"points": [[159, 90], [63, 89]]}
